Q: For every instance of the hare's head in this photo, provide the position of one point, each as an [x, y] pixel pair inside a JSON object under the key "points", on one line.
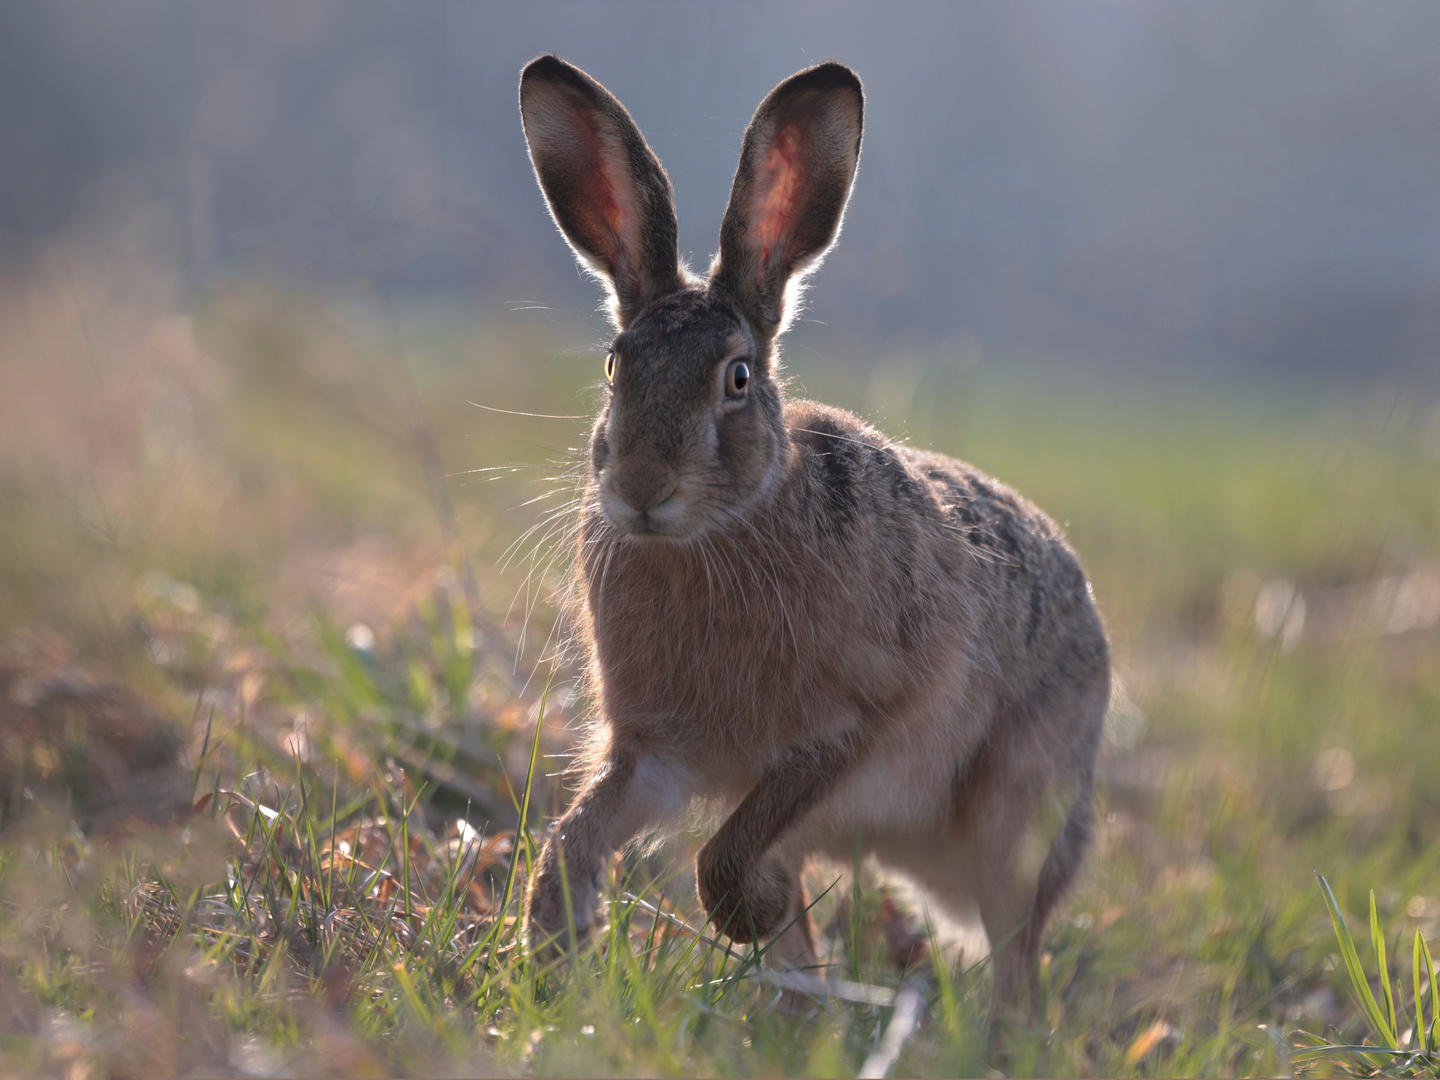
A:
{"points": [[692, 432]]}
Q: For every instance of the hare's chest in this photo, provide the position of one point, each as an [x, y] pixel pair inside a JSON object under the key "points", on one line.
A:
{"points": [[701, 657]]}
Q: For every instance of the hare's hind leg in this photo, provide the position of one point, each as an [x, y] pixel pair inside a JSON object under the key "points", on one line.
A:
{"points": [[1016, 903], [1026, 811]]}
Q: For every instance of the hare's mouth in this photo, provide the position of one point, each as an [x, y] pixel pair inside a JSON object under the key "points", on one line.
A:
{"points": [[666, 520]]}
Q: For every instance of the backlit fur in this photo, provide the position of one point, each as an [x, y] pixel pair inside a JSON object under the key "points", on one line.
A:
{"points": [[841, 640]]}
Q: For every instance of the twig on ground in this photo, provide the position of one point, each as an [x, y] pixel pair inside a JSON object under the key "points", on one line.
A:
{"points": [[904, 1022]]}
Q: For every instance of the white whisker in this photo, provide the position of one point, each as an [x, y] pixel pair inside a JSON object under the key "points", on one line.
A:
{"points": [[535, 415]]}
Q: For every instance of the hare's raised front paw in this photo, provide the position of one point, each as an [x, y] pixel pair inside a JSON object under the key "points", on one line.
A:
{"points": [[749, 902]]}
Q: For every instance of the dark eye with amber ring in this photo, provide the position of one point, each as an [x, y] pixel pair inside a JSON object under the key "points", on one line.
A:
{"points": [[610, 367], [737, 376]]}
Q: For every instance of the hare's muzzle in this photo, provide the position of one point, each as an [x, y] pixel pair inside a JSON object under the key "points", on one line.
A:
{"points": [[644, 499]]}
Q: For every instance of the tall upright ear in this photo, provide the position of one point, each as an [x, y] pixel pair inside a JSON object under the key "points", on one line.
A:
{"points": [[603, 184], [796, 167]]}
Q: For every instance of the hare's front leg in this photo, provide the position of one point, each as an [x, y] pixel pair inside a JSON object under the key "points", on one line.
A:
{"points": [[748, 892], [630, 791]]}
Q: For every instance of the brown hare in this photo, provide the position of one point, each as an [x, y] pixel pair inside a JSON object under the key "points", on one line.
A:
{"points": [[845, 643]]}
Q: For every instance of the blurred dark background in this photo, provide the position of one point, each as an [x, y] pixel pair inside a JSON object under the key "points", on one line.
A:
{"points": [[1226, 186]]}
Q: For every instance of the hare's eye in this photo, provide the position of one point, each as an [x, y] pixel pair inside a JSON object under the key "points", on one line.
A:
{"points": [[610, 367], [736, 378]]}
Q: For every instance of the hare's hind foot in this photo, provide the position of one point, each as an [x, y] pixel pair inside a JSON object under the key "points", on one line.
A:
{"points": [[1015, 913], [1010, 852]]}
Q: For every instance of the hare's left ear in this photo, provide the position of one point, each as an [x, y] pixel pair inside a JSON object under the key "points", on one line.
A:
{"points": [[603, 183], [796, 167]]}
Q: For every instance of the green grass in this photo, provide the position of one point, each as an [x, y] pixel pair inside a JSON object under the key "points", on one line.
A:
{"points": [[1408, 1038], [227, 524]]}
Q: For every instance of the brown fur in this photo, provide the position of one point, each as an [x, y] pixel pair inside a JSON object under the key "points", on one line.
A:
{"points": [[749, 898], [846, 640]]}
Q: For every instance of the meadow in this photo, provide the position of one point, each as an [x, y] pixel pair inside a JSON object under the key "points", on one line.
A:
{"points": [[282, 709]]}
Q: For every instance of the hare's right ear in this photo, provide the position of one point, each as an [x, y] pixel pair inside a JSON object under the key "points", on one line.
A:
{"points": [[603, 183], [796, 166]]}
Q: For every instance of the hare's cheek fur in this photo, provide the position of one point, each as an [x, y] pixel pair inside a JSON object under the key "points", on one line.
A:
{"points": [[751, 451]]}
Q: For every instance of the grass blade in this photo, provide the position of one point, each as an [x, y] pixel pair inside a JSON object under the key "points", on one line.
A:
{"points": [[1358, 981], [1433, 1041], [1377, 939], [522, 829], [1374, 1054], [1419, 1030], [204, 747]]}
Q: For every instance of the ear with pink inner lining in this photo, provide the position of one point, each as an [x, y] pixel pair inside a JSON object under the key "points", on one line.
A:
{"points": [[796, 168], [603, 184]]}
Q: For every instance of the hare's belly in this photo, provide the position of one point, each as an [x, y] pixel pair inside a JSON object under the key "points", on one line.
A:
{"points": [[907, 782]]}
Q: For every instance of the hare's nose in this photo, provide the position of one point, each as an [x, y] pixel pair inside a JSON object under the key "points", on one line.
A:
{"points": [[642, 489]]}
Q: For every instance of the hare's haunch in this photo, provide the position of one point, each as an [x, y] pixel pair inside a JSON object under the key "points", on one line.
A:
{"points": [[847, 642]]}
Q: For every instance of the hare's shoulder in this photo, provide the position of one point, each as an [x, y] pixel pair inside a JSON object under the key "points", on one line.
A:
{"points": [[1040, 601], [853, 471], [859, 490], [988, 514], [850, 474], [839, 440]]}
